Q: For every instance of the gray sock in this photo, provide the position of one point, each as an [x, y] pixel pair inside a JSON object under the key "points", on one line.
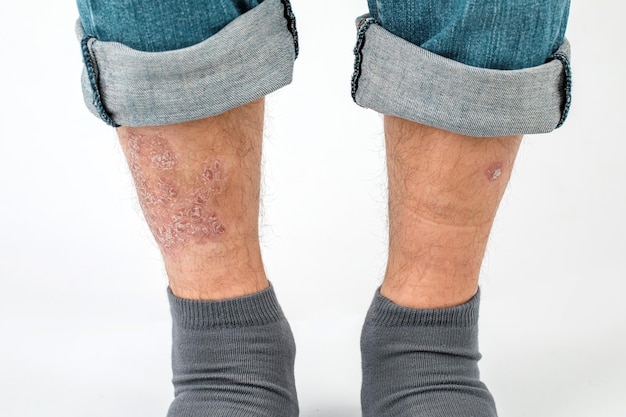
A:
{"points": [[422, 363], [232, 358]]}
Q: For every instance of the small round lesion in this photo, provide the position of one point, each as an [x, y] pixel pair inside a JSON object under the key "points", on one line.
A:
{"points": [[494, 172]]}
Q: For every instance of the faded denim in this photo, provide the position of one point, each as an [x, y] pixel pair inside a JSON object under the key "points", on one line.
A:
{"points": [[247, 59], [396, 77], [496, 34], [475, 67], [158, 25]]}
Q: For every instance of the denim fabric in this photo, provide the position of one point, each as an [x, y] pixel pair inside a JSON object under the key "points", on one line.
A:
{"points": [[395, 77], [481, 68], [496, 34], [250, 57], [486, 75], [158, 25]]}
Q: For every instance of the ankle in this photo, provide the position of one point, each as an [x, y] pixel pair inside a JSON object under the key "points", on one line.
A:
{"points": [[435, 267], [428, 295], [200, 276], [217, 290]]}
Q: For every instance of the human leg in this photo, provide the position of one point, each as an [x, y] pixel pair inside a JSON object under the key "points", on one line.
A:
{"points": [[198, 185], [420, 336], [444, 189], [453, 126], [191, 130]]}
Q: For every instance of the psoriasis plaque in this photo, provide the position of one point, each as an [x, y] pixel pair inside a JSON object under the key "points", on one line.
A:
{"points": [[177, 214], [494, 172]]}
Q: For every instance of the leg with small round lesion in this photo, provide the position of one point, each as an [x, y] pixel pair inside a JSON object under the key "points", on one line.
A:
{"points": [[444, 191], [420, 339]]}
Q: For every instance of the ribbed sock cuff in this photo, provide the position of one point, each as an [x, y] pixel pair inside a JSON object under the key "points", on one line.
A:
{"points": [[249, 310], [384, 312]]}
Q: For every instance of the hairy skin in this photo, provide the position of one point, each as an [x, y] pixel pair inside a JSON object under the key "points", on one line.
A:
{"points": [[198, 186], [444, 191]]}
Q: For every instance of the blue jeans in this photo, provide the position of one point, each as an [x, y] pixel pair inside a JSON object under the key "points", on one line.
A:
{"points": [[476, 67]]}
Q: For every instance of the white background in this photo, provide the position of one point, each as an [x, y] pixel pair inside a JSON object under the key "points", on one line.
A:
{"points": [[84, 322]]}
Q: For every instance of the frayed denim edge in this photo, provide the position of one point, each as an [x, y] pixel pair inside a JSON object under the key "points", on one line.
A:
{"points": [[91, 67], [363, 25], [567, 102], [291, 25]]}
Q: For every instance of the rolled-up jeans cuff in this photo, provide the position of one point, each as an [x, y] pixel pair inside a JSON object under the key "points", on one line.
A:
{"points": [[396, 77], [249, 58]]}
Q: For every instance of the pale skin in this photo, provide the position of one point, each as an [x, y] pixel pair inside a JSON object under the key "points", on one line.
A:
{"points": [[198, 184]]}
